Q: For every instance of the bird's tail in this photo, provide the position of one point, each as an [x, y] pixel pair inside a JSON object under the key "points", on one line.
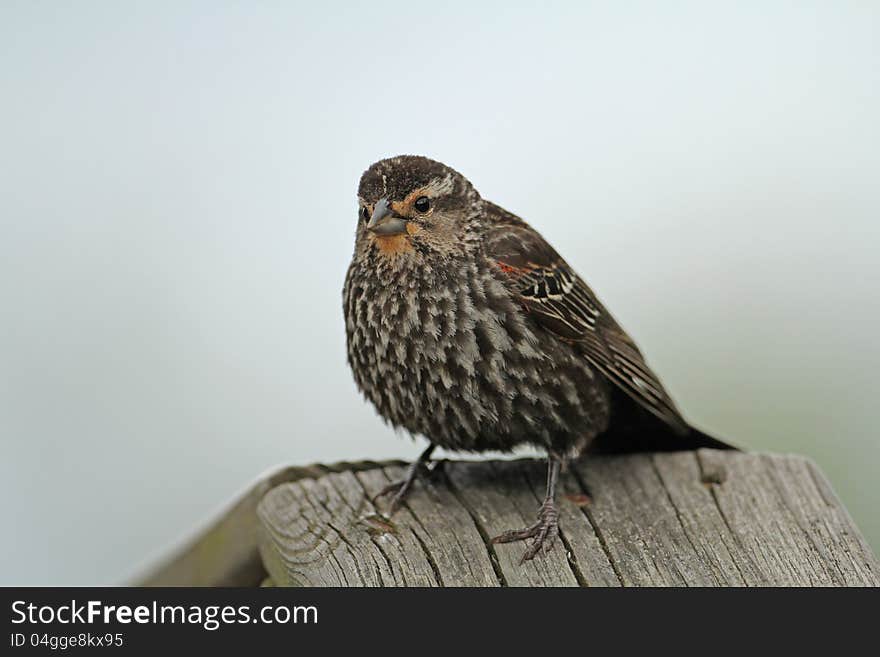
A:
{"points": [[634, 430], [697, 439], [655, 439]]}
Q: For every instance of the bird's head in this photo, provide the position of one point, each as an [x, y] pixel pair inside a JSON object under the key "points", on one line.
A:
{"points": [[413, 207]]}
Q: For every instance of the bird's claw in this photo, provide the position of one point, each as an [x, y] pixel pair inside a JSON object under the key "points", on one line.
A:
{"points": [[543, 533], [400, 488]]}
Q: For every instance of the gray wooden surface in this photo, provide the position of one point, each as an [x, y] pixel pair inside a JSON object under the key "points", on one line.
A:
{"points": [[686, 519], [224, 553]]}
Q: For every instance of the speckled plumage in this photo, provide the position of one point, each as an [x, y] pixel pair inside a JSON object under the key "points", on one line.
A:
{"points": [[445, 352], [463, 325]]}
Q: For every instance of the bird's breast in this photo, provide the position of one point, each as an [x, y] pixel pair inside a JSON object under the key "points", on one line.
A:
{"points": [[454, 358]]}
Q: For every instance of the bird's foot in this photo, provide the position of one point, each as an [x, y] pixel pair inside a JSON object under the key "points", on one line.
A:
{"points": [[543, 532], [401, 487]]}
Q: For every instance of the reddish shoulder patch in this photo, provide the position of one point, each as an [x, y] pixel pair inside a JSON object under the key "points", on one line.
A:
{"points": [[508, 269]]}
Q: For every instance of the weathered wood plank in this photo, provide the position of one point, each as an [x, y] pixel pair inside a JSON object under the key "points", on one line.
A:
{"points": [[443, 528], [225, 552], [639, 525], [499, 497], [686, 519], [588, 558], [788, 521], [713, 543]]}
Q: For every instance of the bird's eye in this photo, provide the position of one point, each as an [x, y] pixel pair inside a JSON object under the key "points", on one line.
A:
{"points": [[422, 204], [365, 213]]}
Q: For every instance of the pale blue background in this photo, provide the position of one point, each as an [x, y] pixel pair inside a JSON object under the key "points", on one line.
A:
{"points": [[177, 204]]}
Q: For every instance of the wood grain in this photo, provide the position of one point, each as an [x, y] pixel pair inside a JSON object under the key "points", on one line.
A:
{"points": [[705, 518]]}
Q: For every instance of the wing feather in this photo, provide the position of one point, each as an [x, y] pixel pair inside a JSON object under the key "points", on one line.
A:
{"points": [[561, 302]]}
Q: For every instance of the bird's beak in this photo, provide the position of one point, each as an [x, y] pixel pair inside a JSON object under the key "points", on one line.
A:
{"points": [[385, 221]]}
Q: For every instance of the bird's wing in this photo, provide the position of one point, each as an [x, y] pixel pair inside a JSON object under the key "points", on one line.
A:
{"points": [[559, 300]]}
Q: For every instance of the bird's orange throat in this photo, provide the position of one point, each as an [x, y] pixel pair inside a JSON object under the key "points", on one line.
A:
{"points": [[395, 245]]}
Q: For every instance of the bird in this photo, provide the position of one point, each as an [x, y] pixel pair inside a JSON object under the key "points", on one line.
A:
{"points": [[465, 326]]}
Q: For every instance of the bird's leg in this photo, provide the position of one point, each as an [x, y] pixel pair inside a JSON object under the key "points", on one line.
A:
{"points": [[546, 529], [401, 488]]}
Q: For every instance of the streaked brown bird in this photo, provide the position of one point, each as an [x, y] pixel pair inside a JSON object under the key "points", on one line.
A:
{"points": [[465, 326]]}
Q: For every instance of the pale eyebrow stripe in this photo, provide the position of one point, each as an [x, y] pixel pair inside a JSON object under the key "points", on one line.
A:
{"points": [[441, 185], [434, 188]]}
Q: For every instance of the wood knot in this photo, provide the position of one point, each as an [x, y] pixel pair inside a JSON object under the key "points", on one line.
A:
{"points": [[579, 499], [714, 475]]}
